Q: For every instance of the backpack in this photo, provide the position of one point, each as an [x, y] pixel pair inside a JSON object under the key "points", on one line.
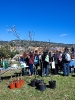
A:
{"points": [[67, 57]]}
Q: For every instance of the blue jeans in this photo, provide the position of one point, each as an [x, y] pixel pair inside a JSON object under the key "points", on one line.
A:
{"points": [[45, 70], [24, 71], [66, 68], [31, 68]]}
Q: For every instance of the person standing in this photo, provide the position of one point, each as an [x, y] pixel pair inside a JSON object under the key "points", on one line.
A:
{"points": [[31, 62], [36, 60], [56, 55], [45, 61], [72, 50], [66, 58]]}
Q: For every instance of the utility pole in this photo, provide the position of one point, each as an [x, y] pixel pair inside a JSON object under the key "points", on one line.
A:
{"points": [[49, 43]]}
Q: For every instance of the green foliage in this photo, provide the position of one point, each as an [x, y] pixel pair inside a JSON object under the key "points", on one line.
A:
{"points": [[6, 52], [2, 54], [12, 44], [12, 54]]}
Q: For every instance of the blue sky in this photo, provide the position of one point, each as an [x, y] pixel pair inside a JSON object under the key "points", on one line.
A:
{"points": [[52, 20]]}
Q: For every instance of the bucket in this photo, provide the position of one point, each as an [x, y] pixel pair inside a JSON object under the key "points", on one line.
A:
{"points": [[42, 87], [33, 82], [52, 84], [12, 85], [14, 81], [21, 82], [39, 82], [17, 84]]}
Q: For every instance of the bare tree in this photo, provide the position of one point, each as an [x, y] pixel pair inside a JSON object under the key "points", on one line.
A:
{"points": [[13, 30], [31, 37]]}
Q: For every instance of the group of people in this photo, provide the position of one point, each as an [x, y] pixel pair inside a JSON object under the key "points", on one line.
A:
{"points": [[30, 58], [43, 61]]}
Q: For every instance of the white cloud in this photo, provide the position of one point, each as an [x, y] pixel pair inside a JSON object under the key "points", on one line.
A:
{"points": [[63, 35]]}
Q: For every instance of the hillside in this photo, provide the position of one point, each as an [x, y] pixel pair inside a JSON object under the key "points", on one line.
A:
{"points": [[34, 43]]}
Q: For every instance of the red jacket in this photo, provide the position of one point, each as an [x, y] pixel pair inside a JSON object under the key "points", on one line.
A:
{"points": [[31, 60]]}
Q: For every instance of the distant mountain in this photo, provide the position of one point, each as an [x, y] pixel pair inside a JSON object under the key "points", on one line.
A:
{"points": [[3, 42], [34, 43]]}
